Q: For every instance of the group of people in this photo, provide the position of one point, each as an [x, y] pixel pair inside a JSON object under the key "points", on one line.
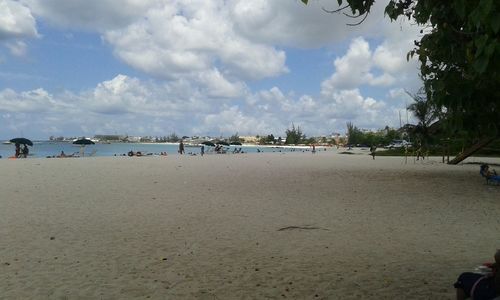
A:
{"points": [[24, 152], [219, 148]]}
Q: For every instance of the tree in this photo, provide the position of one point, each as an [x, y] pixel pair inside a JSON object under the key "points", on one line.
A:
{"points": [[425, 112], [234, 138], [294, 135], [173, 138], [459, 54], [269, 139], [354, 135]]}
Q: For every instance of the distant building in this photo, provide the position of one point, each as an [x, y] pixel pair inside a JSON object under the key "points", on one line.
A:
{"points": [[133, 139]]}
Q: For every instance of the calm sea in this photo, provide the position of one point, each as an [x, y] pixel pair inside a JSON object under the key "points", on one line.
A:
{"points": [[45, 149]]}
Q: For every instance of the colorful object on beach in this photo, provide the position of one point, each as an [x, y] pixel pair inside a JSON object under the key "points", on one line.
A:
{"points": [[21, 141]]}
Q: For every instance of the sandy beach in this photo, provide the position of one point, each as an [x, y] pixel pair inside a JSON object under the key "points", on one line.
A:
{"points": [[248, 226]]}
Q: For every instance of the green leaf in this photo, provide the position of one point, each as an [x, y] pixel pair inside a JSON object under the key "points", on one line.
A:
{"points": [[495, 23], [304, 1], [490, 49], [480, 43], [481, 64], [486, 6], [460, 8]]}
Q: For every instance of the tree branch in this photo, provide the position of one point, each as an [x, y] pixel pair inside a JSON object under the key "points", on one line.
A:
{"points": [[336, 10]]}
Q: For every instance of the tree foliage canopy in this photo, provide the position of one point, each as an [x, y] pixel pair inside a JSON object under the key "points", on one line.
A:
{"points": [[356, 136], [294, 135], [459, 54], [425, 112]]}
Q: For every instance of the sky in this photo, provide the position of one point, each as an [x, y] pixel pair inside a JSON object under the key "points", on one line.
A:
{"points": [[198, 67]]}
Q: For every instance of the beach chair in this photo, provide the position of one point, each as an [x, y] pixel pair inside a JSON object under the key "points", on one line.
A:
{"points": [[493, 179]]}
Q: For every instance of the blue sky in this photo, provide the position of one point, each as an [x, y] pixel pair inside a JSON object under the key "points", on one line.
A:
{"points": [[156, 67]]}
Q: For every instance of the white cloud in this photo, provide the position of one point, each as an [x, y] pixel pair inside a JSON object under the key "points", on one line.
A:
{"points": [[203, 57], [16, 21], [291, 23], [231, 120], [359, 66], [119, 95], [17, 48], [215, 85], [189, 38], [351, 70], [129, 105], [350, 105], [37, 100], [97, 15]]}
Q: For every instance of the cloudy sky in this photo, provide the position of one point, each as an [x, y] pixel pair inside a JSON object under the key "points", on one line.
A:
{"points": [[198, 67]]}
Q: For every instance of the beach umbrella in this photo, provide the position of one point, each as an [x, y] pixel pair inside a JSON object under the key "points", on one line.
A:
{"points": [[83, 142], [208, 143], [22, 141], [223, 143], [236, 143]]}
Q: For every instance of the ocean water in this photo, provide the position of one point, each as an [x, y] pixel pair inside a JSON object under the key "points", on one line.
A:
{"points": [[48, 149]]}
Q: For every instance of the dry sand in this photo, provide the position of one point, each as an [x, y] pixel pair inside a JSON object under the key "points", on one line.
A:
{"points": [[249, 226]]}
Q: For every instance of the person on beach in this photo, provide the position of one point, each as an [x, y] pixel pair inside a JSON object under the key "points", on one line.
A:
{"points": [[202, 150], [314, 149], [489, 173], [26, 151], [418, 152], [181, 147], [372, 151], [18, 150], [480, 286]]}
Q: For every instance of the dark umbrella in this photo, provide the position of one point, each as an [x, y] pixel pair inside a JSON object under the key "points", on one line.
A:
{"points": [[83, 142], [208, 143], [22, 141], [223, 143], [236, 143]]}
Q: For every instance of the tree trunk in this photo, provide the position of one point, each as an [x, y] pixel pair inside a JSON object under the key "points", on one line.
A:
{"points": [[471, 150]]}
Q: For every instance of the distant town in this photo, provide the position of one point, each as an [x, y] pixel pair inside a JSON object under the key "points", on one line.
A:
{"points": [[292, 136], [333, 139]]}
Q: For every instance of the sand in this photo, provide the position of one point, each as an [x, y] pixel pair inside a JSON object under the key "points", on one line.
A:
{"points": [[247, 226]]}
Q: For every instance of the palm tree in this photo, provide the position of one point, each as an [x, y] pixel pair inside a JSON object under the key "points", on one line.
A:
{"points": [[426, 113]]}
